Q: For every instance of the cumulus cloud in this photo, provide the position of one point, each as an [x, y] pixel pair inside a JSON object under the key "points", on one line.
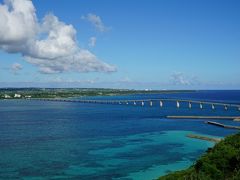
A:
{"points": [[179, 78], [18, 24], [92, 41], [16, 67], [50, 44], [96, 21], [81, 61]]}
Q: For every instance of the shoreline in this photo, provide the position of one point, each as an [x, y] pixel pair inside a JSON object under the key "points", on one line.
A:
{"points": [[77, 92], [213, 162], [206, 138]]}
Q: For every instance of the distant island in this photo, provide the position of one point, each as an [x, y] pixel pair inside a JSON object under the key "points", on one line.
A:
{"points": [[220, 162], [26, 93]]}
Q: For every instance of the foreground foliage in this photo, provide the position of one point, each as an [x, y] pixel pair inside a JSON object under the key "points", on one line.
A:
{"points": [[221, 162]]}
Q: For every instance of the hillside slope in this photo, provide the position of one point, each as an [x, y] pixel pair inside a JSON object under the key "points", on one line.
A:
{"points": [[222, 162]]}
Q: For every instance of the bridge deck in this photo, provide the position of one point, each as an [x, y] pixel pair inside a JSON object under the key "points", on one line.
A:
{"points": [[142, 101]]}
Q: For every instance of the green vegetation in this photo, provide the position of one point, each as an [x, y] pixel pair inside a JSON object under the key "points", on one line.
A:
{"points": [[7, 93], [222, 162]]}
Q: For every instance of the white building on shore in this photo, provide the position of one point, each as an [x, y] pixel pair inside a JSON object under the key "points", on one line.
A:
{"points": [[6, 96], [17, 95]]}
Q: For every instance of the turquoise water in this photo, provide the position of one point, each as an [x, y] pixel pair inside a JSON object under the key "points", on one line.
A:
{"points": [[54, 140]]}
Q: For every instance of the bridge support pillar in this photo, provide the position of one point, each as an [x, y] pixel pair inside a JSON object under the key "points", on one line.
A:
{"points": [[161, 104], [178, 105], [151, 103], [213, 107], [225, 107], [190, 105]]}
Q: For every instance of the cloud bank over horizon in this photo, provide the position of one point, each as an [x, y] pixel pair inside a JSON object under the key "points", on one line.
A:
{"points": [[49, 44]]}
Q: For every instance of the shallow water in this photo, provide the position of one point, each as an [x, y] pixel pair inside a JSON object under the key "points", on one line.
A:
{"points": [[62, 140]]}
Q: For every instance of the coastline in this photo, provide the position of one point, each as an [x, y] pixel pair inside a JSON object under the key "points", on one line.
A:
{"points": [[26, 93], [220, 162], [206, 138]]}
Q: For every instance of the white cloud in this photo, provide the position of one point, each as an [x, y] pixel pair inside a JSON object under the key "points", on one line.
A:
{"points": [[81, 61], [179, 78], [18, 24], [16, 67], [92, 41], [96, 21], [49, 44], [60, 40]]}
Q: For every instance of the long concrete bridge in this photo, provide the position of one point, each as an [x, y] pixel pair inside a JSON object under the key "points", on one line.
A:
{"points": [[151, 102]]}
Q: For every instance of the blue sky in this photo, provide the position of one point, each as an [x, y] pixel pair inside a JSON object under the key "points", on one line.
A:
{"points": [[147, 44]]}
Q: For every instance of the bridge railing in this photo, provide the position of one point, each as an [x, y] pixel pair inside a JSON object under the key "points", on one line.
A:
{"points": [[150, 102]]}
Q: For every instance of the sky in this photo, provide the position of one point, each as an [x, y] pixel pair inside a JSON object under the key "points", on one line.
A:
{"points": [[133, 44]]}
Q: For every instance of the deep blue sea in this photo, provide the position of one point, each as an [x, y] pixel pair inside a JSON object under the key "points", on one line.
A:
{"points": [[66, 140]]}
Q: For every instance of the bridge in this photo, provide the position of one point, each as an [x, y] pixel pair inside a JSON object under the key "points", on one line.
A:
{"points": [[161, 103], [151, 102]]}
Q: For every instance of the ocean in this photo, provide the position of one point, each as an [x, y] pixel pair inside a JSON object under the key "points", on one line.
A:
{"points": [[67, 140]]}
